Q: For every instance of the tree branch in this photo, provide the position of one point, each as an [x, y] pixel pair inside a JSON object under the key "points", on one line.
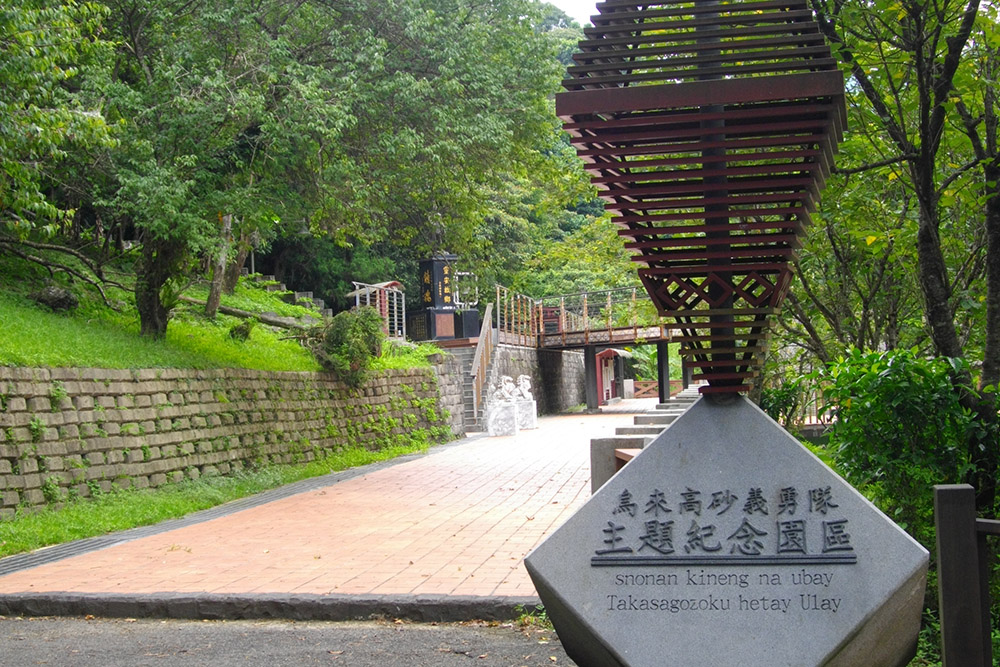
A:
{"points": [[52, 267], [874, 165]]}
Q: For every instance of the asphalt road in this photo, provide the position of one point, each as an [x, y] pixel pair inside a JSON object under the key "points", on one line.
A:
{"points": [[69, 642]]}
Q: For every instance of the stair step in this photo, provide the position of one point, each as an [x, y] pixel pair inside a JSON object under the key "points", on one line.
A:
{"points": [[652, 418], [651, 429]]}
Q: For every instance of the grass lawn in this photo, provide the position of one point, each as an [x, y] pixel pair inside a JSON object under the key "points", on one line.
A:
{"points": [[121, 510]]}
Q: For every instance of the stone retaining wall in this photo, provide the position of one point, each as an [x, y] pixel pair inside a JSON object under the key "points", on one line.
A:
{"points": [[557, 377], [68, 432]]}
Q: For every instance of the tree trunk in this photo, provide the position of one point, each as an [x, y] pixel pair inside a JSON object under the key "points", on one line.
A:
{"points": [[219, 269], [235, 267], [156, 266], [991, 354], [984, 446], [933, 275]]}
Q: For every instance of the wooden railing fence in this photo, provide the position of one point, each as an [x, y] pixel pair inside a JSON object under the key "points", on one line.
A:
{"points": [[647, 388], [519, 318]]}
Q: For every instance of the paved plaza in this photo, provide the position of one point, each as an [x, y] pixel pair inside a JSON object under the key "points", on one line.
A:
{"points": [[452, 525]]}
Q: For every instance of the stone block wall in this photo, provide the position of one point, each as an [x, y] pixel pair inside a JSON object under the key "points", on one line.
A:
{"points": [[450, 383], [557, 377], [75, 431]]}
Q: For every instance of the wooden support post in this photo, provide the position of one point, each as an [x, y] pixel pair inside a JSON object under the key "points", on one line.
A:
{"points": [[590, 376], [962, 632], [663, 370], [539, 324], [562, 318], [501, 313]]}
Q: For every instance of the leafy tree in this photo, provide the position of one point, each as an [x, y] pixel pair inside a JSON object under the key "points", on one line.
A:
{"points": [[856, 287], [367, 122], [590, 258], [564, 29], [923, 97], [53, 54], [45, 47], [190, 91], [414, 126]]}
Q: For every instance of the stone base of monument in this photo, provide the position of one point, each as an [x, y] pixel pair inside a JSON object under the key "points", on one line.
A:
{"points": [[501, 419], [723, 542], [602, 456], [527, 414]]}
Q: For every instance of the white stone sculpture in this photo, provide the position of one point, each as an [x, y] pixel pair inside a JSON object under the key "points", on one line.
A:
{"points": [[501, 411], [527, 409], [524, 387]]}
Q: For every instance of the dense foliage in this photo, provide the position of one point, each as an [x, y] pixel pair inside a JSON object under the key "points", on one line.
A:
{"points": [[898, 429], [905, 252], [47, 49], [138, 127]]}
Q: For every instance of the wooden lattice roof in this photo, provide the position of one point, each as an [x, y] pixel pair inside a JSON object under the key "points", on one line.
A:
{"points": [[709, 129]]}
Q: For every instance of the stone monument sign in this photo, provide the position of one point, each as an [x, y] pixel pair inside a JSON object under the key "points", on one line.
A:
{"points": [[726, 542]]}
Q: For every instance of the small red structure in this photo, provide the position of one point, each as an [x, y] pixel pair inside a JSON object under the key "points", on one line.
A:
{"points": [[610, 374], [390, 302]]}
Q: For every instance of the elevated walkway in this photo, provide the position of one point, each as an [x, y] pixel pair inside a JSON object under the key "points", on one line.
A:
{"points": [[605, 318]]}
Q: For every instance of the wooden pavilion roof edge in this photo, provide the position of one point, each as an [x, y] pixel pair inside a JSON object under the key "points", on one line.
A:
{"points": [[800, 85]]}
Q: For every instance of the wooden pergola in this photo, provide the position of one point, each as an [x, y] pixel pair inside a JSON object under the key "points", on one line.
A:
{"points": [[709, 128]]}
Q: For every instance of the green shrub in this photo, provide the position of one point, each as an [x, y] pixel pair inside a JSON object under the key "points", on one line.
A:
{"points": [[898, 430], [241, 331], [783, 402], [349, 344]]}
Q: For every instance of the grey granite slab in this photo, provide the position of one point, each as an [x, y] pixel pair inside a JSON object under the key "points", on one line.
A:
{"points": [[723, 542]]}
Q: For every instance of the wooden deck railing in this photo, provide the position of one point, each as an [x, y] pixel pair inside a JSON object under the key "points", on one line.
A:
{"points": [[606, 317], [518, 318]]}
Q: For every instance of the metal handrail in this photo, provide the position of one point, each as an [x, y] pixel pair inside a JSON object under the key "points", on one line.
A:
{"points": [[481, 360]]}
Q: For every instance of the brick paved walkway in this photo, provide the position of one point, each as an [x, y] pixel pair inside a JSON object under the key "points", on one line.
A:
{"points": [[456, 522]]}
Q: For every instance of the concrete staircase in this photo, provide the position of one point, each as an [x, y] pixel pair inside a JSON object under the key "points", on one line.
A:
{"points": [[646, 427], [474, 416], [296, 297]]}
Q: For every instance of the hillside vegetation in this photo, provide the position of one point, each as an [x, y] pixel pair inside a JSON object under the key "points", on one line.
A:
{"points": [[96, 334]]}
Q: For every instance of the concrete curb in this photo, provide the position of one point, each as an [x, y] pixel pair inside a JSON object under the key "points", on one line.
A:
{"points": [[423, 608]]}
